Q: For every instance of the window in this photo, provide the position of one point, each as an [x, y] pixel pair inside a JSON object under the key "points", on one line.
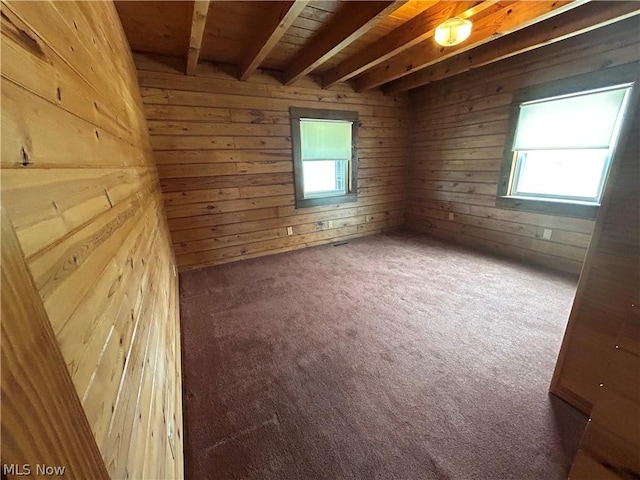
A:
{"points": [[324, 156], [560, 150]]}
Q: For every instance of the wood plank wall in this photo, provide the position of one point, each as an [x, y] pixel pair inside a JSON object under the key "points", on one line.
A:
{"points": [[80, 186], [599, 364], [224, 158], [35, 374], [458, 135]]}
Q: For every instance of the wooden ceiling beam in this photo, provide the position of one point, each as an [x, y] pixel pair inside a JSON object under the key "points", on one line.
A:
{"points": [[277, 21], [506, 20], [580, 20], [352, 21], [410, 33], [198, 22]]}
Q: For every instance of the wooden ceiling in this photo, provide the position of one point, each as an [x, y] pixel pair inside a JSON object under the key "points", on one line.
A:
{"points": [[370, 44]]}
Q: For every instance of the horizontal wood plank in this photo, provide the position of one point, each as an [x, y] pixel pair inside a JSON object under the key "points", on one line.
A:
{"points": [[227, 175], [80, 186], [458, 135]]}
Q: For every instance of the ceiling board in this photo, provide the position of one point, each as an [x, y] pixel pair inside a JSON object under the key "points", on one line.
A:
{"points": [[315, 16], [157, 27], [386, 26], [500, 19], [229, 29], [390, 49]]}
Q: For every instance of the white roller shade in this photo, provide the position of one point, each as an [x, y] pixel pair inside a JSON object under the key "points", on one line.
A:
{"points": [[579, 122], [325, 139]]}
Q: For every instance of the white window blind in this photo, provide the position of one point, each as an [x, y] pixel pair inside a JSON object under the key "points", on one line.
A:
{"points": [[325, 139], [583, 121]]}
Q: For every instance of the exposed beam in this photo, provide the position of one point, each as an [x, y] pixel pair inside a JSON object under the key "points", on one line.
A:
{"points": [[279, 18], [353, 20], [412, 32], [198, 21], [491, 26], [575, 22]]}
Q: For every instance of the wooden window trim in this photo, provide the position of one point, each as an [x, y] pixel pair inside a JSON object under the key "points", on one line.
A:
{"points": [[589, 81], [296, 113]]}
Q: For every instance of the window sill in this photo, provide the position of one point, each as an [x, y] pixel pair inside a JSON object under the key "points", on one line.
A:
{"points": [[320, 201], [550, 207]]}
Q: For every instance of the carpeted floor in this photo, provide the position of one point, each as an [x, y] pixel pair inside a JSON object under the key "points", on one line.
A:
{"points": [[392, 357]]}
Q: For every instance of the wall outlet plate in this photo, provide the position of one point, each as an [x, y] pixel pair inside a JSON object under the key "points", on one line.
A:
{"points": [[546, 234], [451, 216], [289, 230]]}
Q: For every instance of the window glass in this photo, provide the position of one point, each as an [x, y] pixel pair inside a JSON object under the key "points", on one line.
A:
{"points": [[325, 156], [324, 177], [562, 146], [561, 173]]}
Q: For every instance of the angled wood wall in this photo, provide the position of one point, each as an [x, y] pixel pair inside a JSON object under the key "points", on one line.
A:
{"points": [[225, 162], [599, 364], [79, 185], [35, 378], [458, 136]]}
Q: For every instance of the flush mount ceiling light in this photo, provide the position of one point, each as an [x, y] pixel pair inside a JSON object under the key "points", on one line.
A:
{"points": [[453, 31]]}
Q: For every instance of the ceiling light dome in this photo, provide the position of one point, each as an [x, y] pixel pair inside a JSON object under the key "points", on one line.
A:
{"points": [[452, 32]]}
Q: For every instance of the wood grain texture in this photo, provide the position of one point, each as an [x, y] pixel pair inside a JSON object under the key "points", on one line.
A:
{"points": [[412, 32], [458, 134], [280, 17], [312, 19], [353, 21], [80, 186], [598, 368], [394, 20], [158, 26], [488, 25], [227, 171], [42, 419], [577, 21], [198, 22]]}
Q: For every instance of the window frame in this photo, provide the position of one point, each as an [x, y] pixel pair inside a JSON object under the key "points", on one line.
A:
{"points": [[625, 74], [351, 182]]}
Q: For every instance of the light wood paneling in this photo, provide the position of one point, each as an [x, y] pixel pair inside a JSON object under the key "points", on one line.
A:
{"points": [[225, 163], [458, 135], [80, 186], [598, 367], [42, 418]]}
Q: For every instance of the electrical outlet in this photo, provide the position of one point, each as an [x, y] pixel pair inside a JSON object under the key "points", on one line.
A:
{"points": [[451, 216], [546, 234], [289, 230], [330, 224]]}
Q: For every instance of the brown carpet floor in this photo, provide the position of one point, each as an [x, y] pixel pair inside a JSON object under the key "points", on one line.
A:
{"points": [[392, 357]]}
